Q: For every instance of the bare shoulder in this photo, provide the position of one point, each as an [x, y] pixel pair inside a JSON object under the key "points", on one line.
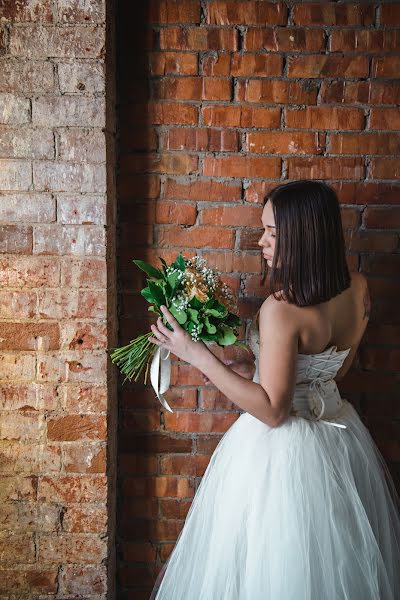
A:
{"points": [[279, 313], [362, 291]]}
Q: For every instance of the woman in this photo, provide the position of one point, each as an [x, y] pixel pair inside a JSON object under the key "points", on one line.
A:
{"points": [[297, 502]]}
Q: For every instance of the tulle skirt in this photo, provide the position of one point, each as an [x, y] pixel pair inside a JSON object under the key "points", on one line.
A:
{"points": [[304, 511]]}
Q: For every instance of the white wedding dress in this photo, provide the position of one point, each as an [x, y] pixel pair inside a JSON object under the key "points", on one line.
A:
{"points": [[304, 511]]}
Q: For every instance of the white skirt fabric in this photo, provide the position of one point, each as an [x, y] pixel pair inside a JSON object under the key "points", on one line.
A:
{"points": [[304, 511]]}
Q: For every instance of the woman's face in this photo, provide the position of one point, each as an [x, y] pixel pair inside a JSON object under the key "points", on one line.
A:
{"points": [[267, 240]]}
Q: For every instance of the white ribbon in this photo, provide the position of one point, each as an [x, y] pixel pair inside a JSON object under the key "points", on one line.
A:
{"points": [[316, 386], [160, 375]]}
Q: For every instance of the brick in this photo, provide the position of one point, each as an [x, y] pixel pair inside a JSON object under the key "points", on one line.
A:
{"points": [[28, 208], [277, 91], [15, 175], [326, 168], [17, 305], [232, 262], [196, 139], [17, 487], [160, 113], [16, 548], [183, 213], [83, 336], [241, 116], [71, 303], [84, 273], [198, 38], [242, 166], [214, 63], [26, 143], [202, 190], [386, 66], [196, 237], [370, 241], [324, 117], [178, 487], [256, 191], [88, 398], [69, 239], [231, 215], [35, 580], [321, 65], [390, 14], [69, 177], [82, 489], [284, 39], [76, 427], [80, 209], [256, 65], [14, 110], [78, 580], [82, 145], [27, 397], [61, 111], [173, 63], [29, 336], [29, 272], [364, 40], [381, 218], [27, 76], [361, 92], [87, 367], [29, 517], [330, 13], [368, 143], [205, 422], [21, 427], [15, 239], [36, 41], [70, 548], [87, 77], [138, 139], [385, 118], [30, 10], [184, 465], [85, 458], [192, 88], [81, 11], [380, 264], [169, 11], [222, 12], [281, 142], [32, 458], [173, 163], [384, 168]]}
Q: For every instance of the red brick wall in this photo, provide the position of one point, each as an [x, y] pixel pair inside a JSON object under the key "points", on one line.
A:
{"points": [[219, 102], [57, 301]]}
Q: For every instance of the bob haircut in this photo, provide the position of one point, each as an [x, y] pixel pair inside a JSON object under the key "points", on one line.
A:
{"points": [[309, 264]]}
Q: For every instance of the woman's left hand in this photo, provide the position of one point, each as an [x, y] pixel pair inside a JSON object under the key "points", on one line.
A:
{"points": [[177, 341]]}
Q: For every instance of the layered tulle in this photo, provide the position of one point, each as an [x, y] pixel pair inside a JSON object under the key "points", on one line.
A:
{"points": [[304, 511]]}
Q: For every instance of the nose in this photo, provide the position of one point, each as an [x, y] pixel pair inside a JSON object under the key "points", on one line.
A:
{"points": [[261, 242]]}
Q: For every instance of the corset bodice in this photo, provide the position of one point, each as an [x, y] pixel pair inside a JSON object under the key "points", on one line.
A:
{"points": [[316, 395]]}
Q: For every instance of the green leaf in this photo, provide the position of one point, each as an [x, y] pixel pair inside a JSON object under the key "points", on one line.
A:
{"points": [[164, 264], [226, 336], [146, 293], [155, 309], [173, 279], [180, 262], [179, 315], [209, 326], [158, 294], [149, 269], [193, 314]]}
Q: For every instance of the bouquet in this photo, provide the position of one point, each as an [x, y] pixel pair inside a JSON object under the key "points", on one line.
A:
{"points": [[201, 303]]}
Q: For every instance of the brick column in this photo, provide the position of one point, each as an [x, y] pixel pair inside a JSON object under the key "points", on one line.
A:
{"points": [[57, 300]]}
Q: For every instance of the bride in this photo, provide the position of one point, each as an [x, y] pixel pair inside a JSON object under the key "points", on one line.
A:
{"points": [[297, 502]]}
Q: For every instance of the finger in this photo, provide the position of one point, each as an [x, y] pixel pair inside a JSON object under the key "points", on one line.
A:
{"points": [[154, 340], [160, 336], [170, 318], [164, 330]]}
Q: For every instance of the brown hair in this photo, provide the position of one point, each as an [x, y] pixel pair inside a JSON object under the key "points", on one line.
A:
{"points": [[310, 248]]}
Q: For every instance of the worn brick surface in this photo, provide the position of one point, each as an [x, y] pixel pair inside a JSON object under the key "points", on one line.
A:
{"points": [[56, 298], [219, 102]]}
